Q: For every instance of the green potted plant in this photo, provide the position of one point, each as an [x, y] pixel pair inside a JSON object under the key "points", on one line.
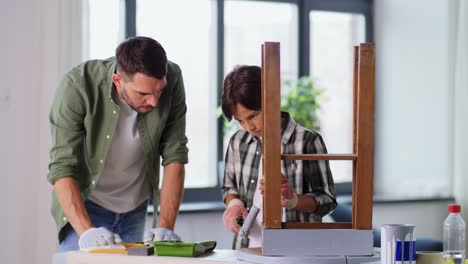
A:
{"points": [[301, 99]]}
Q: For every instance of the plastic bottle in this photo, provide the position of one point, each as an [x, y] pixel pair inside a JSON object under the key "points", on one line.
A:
{"points": [[454, 236]]}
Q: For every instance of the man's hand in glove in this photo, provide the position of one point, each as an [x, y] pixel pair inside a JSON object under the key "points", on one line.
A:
{"points": [[161, 234], [96, 237]]}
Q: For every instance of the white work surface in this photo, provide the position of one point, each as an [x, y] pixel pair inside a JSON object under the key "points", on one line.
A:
{"points": [[218, 256], [77, 257]]}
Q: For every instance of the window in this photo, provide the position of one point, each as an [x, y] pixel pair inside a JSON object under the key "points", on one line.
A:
{"points": [[332, 38], [103, 28], [207, 38], [246, 29], [188, 35]]}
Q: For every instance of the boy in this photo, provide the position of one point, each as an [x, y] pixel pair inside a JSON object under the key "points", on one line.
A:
{"points": [[307, 188]]}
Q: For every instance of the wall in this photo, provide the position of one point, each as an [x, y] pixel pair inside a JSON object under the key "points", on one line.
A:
{"points": [[414, 148], [414, 117], [38, 44], [427, 216], [20, 134]]}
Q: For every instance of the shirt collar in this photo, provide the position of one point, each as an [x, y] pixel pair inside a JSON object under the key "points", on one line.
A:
{"points": [[251, 138], [288, 128], [110, 83]]}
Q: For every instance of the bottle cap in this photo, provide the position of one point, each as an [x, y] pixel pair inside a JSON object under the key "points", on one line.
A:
{"points": [[454, 208]]}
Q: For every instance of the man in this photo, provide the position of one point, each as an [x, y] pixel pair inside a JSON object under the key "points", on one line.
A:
{"points": [[111, 121], [307, 188]]}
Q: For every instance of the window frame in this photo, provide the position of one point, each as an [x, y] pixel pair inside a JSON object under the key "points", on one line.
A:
{"points": [[364, 7]]}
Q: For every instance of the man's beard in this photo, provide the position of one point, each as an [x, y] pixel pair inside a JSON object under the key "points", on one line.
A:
{"points": [[129, 103]]}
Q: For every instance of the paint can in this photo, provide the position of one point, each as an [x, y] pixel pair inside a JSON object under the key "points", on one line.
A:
{"points": [[398, 244]]}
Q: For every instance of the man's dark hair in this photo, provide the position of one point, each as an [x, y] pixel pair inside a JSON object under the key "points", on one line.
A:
{"points": [[141, 55], [242, 86]]}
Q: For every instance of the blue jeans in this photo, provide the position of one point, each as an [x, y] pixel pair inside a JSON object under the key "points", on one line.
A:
{"points": [[130, 226]]}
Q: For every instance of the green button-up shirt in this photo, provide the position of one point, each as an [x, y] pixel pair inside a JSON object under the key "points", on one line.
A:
{"points": [[83, 119]]}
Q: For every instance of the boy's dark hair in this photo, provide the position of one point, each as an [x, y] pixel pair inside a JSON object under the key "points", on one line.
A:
{"points": [[141, 55], [242, 86]]}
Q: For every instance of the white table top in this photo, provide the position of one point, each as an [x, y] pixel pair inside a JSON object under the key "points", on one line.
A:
{"points": [[78, 257], [218, 256]]}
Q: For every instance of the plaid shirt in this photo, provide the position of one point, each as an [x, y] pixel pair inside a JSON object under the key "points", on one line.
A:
{"points": [[307, 177]]}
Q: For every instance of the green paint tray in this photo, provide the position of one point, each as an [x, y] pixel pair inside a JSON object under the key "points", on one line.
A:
{"points": [[183, 249]]}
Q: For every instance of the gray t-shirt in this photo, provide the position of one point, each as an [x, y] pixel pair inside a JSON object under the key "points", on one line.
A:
{"points": [[123, 184]]}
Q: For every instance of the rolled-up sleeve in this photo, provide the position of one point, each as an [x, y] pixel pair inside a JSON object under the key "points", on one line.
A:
{"points": [[173, 145], [66, 122], [319, 178]]}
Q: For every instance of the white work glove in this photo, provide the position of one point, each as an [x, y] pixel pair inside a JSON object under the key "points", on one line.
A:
{"points": [[288, 195], [161, 234], [234, 209], [96, 237]]}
